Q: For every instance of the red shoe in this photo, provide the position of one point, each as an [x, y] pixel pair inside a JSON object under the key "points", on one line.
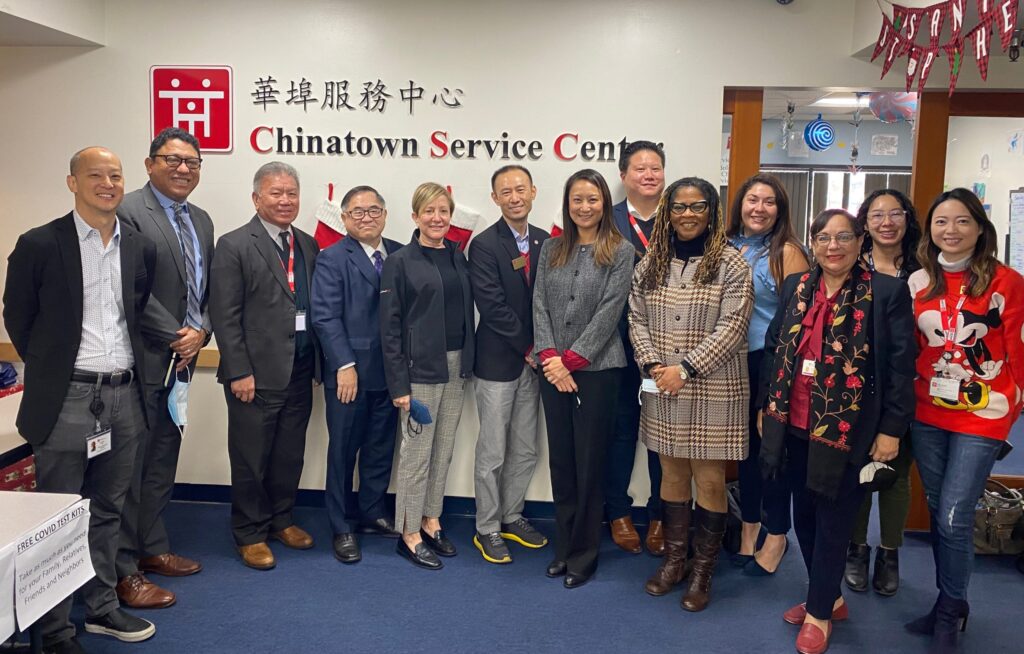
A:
{"points": [[812, 640], [797, 614]]}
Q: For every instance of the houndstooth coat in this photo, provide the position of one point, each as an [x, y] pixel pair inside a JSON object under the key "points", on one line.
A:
{"points": [[704, 325]]}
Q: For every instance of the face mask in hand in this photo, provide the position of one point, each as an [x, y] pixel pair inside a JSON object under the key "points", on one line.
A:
{"points": [[177, 402]]}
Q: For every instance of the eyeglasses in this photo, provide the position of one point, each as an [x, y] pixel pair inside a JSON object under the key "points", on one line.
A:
{"points": [[360, 213], [679, 208], [174, 161], [896, 216], [842, 238]]}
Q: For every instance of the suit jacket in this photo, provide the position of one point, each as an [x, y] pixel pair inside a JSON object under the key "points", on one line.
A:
{"points": [[504, 299], [165, 312], [252, 308], [412, 318], [888, 402], [620, 214], [43, 312], [345, 312]]}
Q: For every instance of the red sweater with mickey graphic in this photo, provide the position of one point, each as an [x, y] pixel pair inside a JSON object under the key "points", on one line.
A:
{"points": [[987, 356]]}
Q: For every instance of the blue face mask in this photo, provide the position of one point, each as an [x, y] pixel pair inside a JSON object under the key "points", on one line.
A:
{"points": [[419, 415], [177, 402]]}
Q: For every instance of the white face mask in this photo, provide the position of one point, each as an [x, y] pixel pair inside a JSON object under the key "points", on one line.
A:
{"points": [[177, 402]]}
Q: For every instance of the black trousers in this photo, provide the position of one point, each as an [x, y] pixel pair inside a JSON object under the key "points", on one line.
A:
{"points": [[622, 453], [363, 427], [143, 533], [266, 445], [579, 428], [822, 527]]}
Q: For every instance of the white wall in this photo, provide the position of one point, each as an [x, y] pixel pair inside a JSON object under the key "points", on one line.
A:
{"points": [[605, 69], [971, 139]]}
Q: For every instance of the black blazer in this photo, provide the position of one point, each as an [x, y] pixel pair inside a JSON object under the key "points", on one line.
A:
{"points": [[252, 308], [620, 216], [43, 312], [412, 318], [165, 311], [888, 403], [504, 299], [345, 312]]}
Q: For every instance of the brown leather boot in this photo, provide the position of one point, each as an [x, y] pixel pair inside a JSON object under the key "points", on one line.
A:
{"points": [[655, 541], [707, 543], [625, 536], [673, 567]]}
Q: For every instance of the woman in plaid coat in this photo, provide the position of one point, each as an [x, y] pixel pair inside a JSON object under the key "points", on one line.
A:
{"points": [[689, 309]]}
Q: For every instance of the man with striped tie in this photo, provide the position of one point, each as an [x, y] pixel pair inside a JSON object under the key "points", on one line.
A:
{"points": [[175, 325]]}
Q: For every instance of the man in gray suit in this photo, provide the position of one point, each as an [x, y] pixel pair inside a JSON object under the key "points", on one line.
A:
{"points": [[175, 324], [259, 302]]}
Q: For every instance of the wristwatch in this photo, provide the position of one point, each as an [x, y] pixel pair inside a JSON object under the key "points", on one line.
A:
{"points": [[682, 373]]}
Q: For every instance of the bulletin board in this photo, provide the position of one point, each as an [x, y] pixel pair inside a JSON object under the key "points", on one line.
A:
{"points": [[1015, 246]]}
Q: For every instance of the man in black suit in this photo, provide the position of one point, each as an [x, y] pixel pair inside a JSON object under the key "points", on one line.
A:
{"points": [[76, 288], [642, 169], [503, 263], [361, 419], [175, 325], [259, 302]]}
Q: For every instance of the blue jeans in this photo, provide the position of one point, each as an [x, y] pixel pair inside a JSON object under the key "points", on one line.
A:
{"points": [[953, 467]]}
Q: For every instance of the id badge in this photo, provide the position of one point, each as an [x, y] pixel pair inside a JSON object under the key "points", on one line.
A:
{"points": [[98, 443], [300, 321], [807, 368], [519, 263], [945, 388]]}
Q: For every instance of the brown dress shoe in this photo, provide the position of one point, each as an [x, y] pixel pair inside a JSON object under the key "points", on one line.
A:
{"points": [[257, 555], [625, 536], [140, 593], [169, 565], [655, 539], [294, 537]]}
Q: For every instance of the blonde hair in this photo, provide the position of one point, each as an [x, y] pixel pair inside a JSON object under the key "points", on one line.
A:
{"points": [[426, 193]]}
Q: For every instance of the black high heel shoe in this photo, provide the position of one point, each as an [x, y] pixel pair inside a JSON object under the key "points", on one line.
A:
{"points": [[950, 621]]}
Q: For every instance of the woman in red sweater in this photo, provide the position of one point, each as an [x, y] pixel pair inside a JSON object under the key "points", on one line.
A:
{"points": [[969, 313]]}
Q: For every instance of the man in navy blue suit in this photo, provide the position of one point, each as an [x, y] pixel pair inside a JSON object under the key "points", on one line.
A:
{"points": [[360, 416], [642, 169]]}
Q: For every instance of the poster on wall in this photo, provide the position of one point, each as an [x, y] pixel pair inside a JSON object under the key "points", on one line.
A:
{"points": [[885, 145], [1015, 251]]}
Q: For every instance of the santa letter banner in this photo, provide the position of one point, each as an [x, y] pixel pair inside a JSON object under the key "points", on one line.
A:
{"points": [[936, 15], [1006, 20], [912, 64], [927, 59], [895, 50], [956, 19], [883, 37], [977, 40], [955, 53]]}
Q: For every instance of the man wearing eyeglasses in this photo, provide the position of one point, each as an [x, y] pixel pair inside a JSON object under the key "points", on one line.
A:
{"points": [[175, 325], [360, 416]]}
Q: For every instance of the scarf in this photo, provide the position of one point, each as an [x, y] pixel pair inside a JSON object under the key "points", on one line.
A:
{"points": [[838, 384]]}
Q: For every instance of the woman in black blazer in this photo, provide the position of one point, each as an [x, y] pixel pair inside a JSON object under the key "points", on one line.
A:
{"points": [[426, 322], [837, 383]]}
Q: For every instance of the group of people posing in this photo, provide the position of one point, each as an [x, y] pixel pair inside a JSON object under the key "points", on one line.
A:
{"points": [[708, 332]]}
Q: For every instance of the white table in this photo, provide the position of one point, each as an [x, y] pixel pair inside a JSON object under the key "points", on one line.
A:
{"points": [[28, 529]]}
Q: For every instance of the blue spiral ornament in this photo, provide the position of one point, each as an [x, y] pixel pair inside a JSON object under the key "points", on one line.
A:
{"points": [[819, 135]]}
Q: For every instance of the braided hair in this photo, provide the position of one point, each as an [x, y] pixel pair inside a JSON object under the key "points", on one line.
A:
{"points": [[660, 250]]}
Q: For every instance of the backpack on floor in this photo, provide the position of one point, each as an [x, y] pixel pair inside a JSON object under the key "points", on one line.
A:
{"points": [[999, 520]]}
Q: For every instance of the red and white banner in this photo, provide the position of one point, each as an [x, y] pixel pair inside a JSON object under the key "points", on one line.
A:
{"points": [[986, 10], [913, 23], [956, 19], [928, 57], [955, 54], [884, 34], [978, 40], [895, 49], [1006, 21], [935, 16], [913, 60]]}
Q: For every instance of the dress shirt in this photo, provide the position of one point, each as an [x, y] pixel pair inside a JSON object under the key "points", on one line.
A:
{"points": [[636, 214], [168, 206], [275, 232], [105, 346], [522, 240]]}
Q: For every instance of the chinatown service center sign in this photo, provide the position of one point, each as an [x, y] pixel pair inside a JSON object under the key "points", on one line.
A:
{"points": [[200, 99]]}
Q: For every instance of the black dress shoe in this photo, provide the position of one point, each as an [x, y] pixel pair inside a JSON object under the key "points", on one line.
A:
{"points": [[856, 575], [886, 580], [555, 569], [438, 542], [379, 527], [574, 580], [421, 556], [346, 548], [71, 646]]}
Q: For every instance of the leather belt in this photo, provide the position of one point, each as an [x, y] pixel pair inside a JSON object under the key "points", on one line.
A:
{"points": [[107, 378]]}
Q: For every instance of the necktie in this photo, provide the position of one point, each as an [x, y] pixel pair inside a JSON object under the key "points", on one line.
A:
{"points": [[378, 262], [193, 314], [284, 249]]}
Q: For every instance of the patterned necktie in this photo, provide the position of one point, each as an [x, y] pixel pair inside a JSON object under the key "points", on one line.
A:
{"points": [[193, 314], [378, 262]]}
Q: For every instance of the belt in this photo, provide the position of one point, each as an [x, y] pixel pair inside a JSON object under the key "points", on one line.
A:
{"points": [[108, 378]]}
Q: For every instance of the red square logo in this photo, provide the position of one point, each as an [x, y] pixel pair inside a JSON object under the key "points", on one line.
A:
{"points": [[196, 99]]}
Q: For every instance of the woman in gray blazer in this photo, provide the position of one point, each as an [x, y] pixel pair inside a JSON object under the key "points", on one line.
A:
{"points": [[582, 283]]}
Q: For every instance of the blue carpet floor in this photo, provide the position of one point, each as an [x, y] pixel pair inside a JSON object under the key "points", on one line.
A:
{"points": [[312, 603]]}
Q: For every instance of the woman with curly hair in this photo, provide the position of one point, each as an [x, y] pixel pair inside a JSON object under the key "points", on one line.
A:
{"points": [[689, 308]]}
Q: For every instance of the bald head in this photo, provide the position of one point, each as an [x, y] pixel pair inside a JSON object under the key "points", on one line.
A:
{"points": [[76, 158], [96, 180]]}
